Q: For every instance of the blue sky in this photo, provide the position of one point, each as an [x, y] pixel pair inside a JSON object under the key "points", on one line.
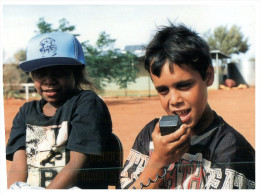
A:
{"points": [[128, 23]]}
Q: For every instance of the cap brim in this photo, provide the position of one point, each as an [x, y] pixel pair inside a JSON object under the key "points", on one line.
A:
{"points": [[32, 65]]}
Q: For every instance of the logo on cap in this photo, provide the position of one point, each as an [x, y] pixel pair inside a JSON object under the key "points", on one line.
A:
{"points": [[48, 47]]}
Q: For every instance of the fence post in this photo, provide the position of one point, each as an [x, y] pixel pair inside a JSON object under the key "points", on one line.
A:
{"points": [[27, 85]]}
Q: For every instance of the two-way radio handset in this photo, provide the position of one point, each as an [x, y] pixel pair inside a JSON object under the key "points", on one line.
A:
{"points": [[169, 124]]}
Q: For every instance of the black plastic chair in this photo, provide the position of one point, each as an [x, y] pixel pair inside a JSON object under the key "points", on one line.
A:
{"points": [[104, 171]]}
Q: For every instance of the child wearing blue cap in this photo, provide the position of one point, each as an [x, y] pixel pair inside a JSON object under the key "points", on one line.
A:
{"points": [[53, 138]]}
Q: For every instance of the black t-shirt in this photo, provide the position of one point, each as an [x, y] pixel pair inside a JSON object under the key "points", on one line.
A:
{"points": [[81, 124], [218, 158]]}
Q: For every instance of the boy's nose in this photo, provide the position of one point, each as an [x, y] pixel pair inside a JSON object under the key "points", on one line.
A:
{"points": [[175, 98], [50, 80]]}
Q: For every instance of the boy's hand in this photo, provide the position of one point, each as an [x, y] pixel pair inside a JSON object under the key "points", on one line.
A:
{"points": [[170, 148]]}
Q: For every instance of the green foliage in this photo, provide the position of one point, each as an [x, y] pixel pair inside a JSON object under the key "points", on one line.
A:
{"points": [[229, 41], [104, 41], [126, 69], [106, 64], [43, 26], [64, 26]]}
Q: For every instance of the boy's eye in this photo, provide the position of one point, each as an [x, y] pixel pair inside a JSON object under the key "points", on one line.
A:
{"points": [[55, 73], [184, 86], [39, 74], [162, 90], [62, 73]]}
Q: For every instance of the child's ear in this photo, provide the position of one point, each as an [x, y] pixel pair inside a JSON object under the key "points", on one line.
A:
{"points": [[210, 75]]}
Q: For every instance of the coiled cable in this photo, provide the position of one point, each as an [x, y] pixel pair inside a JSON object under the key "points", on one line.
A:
{"points": [[153, 181]]}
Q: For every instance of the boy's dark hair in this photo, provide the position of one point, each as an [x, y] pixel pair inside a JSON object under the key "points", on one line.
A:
{"points": [[178, 45], [81, 80]]}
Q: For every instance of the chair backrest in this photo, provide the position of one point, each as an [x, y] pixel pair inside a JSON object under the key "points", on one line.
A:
{"points": [[104, 171]]}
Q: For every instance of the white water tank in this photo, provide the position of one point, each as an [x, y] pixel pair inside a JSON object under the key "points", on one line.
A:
{"points": [[247, 70], [242, 73]]}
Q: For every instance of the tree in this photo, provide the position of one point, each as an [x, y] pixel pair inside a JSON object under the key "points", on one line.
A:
{"points": [[43, 26], [229, 41], [19, 56], [106, 64], [13, 75], [11, 79], [127, 70], [64, 26]]}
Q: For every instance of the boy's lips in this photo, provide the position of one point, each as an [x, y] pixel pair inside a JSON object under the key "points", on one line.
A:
{"points": [[183, 114], [51, 92]]}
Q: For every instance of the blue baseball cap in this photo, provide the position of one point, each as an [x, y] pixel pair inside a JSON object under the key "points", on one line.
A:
{"points": [[54, 48]]}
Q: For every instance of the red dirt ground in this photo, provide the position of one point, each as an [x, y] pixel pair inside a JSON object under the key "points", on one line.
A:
{"points": [[129, 116]]}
